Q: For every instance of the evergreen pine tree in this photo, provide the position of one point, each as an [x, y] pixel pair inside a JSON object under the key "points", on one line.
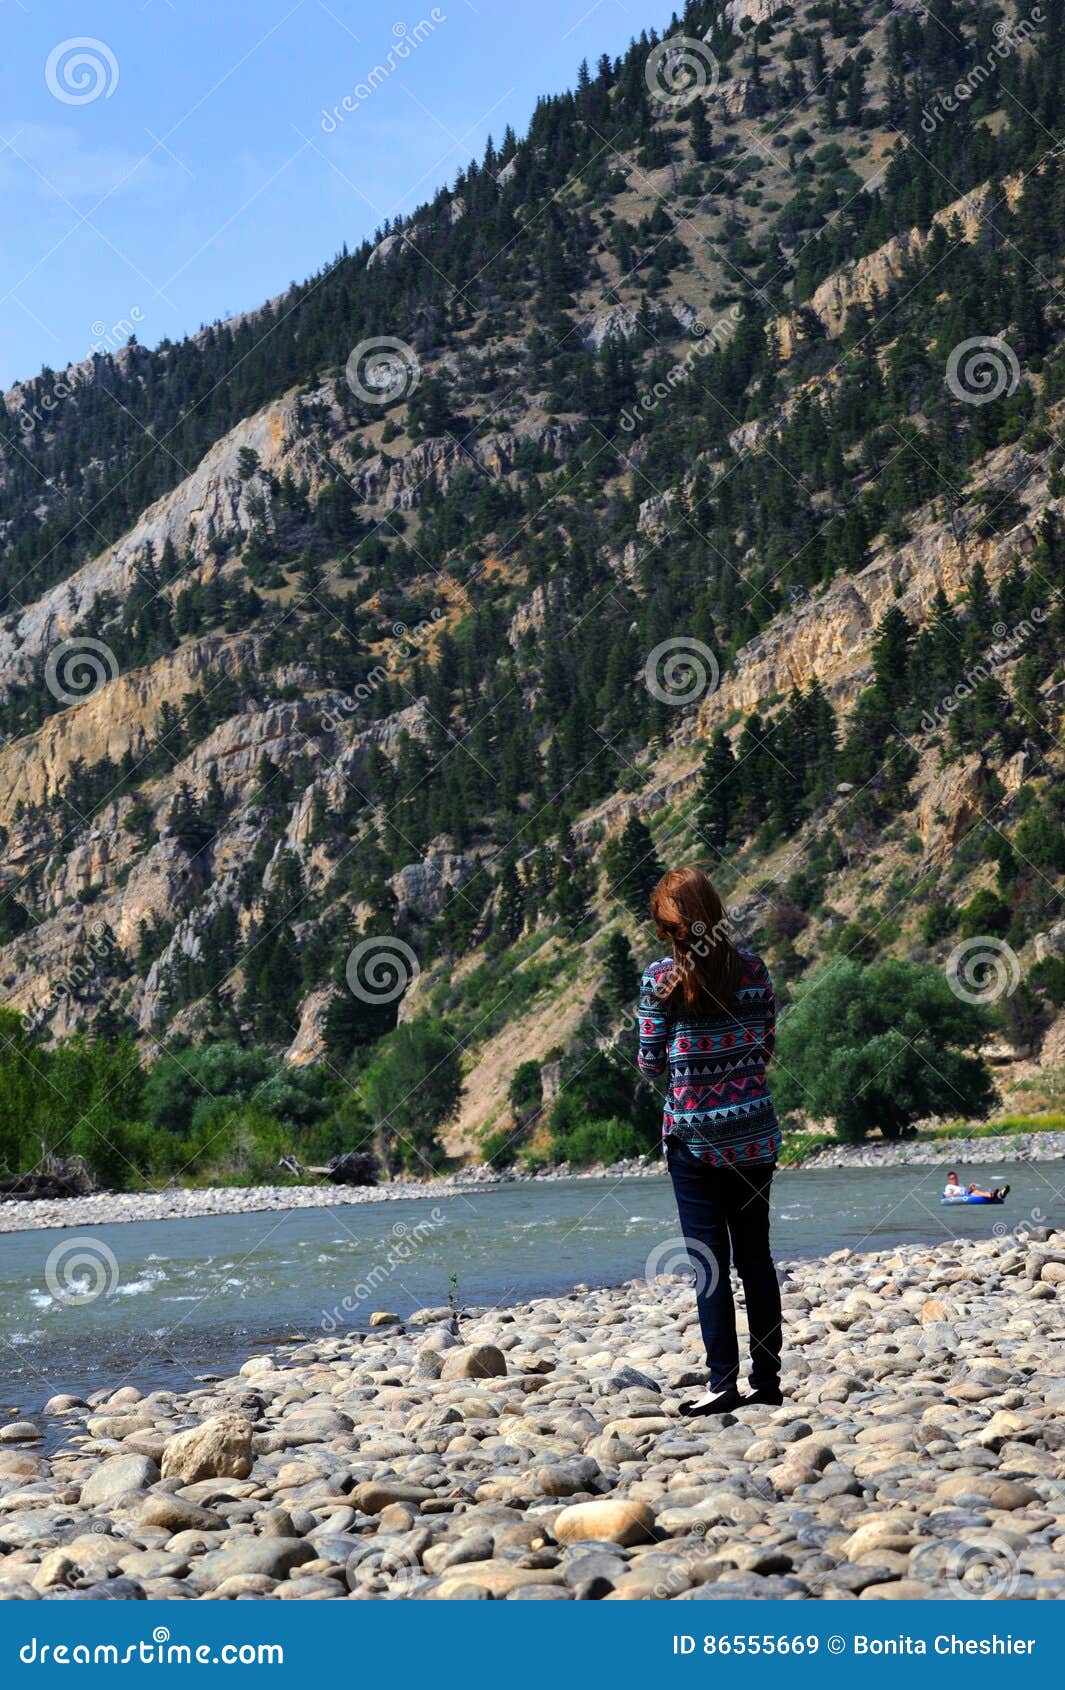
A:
{"points": [[717, 801], [511, 903], [633, 867], [620, 974]]}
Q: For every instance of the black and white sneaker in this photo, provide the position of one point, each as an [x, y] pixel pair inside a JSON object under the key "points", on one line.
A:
{"points": [[713, 1402]]}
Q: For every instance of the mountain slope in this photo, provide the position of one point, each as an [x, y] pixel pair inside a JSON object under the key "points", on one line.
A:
{"points": [[681, 462]]}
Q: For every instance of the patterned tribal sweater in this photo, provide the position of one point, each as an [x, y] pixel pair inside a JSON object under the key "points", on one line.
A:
{"points": [[718, 1101]]}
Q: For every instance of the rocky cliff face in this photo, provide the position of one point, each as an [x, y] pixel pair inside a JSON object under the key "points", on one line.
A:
{"points": [[213, 501], [120, 715], [867, 282], [826, 637], [400, 483]]}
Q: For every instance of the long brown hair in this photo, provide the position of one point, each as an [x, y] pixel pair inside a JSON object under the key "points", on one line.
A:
{"points": [[687, 910]]}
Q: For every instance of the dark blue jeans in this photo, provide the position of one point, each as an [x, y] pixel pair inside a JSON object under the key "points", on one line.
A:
{"points": [[724, 1215]]}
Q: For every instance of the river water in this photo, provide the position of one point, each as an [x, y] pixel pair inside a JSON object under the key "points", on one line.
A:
{"points": [[160, 1303]]}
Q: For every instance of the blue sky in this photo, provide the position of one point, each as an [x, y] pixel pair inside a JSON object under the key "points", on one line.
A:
{"points": [[165, 162]]}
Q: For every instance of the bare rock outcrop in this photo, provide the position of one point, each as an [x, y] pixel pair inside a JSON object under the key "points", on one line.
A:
{"points": [[423, 889], [309, 1041], [399, 483], [948, 807], [120, 715], [871, 278], [752, 12]]}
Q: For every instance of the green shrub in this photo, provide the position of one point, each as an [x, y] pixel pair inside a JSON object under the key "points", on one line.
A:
{"points": [[411, 1088], [880, 1046], [985, 913], [499, 1148], [241, 1147], [939, 919], [526, 1093], [186, 1092], [584, 1143]]}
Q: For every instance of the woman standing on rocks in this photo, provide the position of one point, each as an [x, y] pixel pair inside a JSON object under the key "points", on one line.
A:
{"points": [[707, 1013]]}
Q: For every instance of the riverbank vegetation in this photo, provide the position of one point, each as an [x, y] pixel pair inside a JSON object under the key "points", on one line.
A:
{"points": [[225, 1113]]}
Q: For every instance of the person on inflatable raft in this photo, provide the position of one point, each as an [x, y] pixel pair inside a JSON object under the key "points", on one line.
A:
{"points": [[954, 1191]]}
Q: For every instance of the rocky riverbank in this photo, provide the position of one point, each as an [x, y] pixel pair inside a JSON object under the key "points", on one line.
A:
{"points": [[107, 1208], [943, 1152], [538, 1452]]}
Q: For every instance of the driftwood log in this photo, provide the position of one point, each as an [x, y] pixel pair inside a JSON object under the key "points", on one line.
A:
{"points": [[28, 1187], [353, 1167]]}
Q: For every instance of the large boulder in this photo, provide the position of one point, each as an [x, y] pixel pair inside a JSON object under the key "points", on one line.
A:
{"points": [[20, 1432], [475, 1361], [220, 1448]]}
